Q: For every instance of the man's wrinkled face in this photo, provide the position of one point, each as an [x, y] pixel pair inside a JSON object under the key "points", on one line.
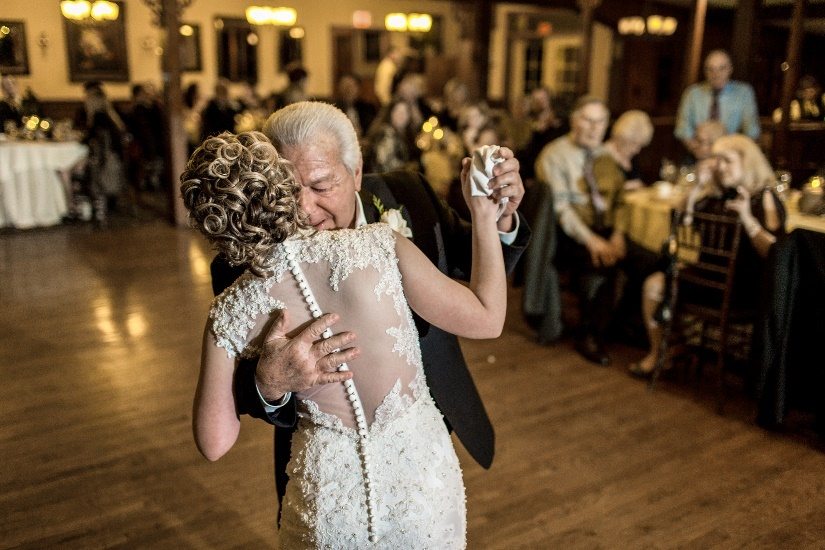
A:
{"points": [[589, 125], [327, 188], [718, 69]]}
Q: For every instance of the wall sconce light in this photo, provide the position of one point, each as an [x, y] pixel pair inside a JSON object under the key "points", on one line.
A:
{"points": [[632, 25], [663, 26], [413, 22], [657, 25], [81, 10], [419, 22], [265, 15], [43, 41], [396, 22]]}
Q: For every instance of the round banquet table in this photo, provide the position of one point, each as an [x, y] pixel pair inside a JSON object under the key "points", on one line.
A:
{"points": [[31, 190], [649, 216]]}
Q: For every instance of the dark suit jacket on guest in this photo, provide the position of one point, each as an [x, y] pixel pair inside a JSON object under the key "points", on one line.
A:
{"points": [[446, 240]]}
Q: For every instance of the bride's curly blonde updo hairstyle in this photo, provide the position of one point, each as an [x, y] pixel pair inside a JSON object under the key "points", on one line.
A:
{"points": [[242, 195]]}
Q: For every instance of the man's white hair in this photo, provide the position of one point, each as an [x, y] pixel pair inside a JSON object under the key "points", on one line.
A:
{"points": [[306, 121]]}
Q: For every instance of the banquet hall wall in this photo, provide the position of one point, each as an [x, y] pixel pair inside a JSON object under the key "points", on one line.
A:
{"points": [[48, 66]]}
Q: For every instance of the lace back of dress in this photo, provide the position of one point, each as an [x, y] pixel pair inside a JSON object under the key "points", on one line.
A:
{"points": [[354, 273]]}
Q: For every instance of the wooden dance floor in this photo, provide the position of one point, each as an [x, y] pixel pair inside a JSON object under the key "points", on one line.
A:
{"points": [[99, 353]]}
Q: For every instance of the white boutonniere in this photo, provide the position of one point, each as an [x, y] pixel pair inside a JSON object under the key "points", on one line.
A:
{"points": [[393, 218]]}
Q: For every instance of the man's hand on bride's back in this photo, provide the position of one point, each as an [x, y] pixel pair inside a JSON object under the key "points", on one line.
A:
{"points": [[306, 360]]}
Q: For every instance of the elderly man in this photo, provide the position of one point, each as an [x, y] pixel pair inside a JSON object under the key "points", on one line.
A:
{"points": [[322, 145], [587, 207], [731, 102]]}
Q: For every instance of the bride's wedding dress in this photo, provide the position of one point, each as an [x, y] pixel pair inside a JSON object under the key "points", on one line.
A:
{"points": [[373, 465]]}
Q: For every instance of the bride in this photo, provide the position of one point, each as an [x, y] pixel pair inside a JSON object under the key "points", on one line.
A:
{"points": [[373, 465]]}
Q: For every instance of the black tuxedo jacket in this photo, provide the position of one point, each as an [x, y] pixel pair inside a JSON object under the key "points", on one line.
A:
{"points": [[447, 241]]}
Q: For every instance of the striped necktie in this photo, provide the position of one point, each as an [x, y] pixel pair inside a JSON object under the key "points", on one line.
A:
{"points": [[596, 198], [714, 105]]}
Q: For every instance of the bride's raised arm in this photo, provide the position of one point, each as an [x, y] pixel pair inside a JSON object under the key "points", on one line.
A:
{"points": [[474, 312]]}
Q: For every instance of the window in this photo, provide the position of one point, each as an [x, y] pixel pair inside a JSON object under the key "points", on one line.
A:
{"points": [[533, 55], [567, 74]]}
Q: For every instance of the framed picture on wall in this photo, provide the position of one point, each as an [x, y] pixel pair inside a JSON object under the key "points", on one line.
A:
{"points": [[97, 49], [237, 43], [14, 58], [190, 47]]}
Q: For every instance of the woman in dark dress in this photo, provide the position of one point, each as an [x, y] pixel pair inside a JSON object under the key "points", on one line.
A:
{"points": [[738, 180]]}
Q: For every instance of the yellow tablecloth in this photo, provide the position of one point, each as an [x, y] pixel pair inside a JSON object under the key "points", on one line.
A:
{"points": [[649, 217], [802, 221]]}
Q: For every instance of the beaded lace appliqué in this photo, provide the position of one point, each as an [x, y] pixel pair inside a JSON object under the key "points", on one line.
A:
{"points": [[234, 311], [349, 251]]}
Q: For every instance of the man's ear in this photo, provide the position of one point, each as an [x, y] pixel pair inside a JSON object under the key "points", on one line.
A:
{"points": [[359, 172]]}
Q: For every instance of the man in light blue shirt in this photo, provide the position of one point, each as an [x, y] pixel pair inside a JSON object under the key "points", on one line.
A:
{"points": [[731, 102]]}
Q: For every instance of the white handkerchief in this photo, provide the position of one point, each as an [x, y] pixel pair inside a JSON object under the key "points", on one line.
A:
{"points": [[481, 171]]}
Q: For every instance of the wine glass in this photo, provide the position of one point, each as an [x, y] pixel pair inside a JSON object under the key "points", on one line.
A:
{"points": [[668, 171], [783, 184]]}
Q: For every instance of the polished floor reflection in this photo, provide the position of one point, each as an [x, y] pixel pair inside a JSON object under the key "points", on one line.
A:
{"points": [[99, 354]]}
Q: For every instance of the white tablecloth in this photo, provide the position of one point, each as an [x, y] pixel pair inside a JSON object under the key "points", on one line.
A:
{"points": [[31, 191]]}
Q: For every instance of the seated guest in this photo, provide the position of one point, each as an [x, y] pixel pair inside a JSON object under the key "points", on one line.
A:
{"points": [[348, 98], [809, 103], [489, 134], [589, 209], [706, 135], [411, 87], [456, 96], [631, 132], [545, 126], [10, 102], [473, 117], [219, 114], [390, 138], [737, 169], [294, 91]]}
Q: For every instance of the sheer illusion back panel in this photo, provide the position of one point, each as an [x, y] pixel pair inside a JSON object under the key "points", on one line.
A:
{"points": [[378, 315]]}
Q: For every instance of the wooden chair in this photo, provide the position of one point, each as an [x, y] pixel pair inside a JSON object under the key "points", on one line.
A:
{"points": [[697, 312]]}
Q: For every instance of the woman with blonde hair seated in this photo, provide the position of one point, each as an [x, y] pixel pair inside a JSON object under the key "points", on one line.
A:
{"points": [[736, 179]]}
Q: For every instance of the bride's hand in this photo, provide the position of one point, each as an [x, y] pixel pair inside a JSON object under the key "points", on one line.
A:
{"points": [[481, 207]]}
